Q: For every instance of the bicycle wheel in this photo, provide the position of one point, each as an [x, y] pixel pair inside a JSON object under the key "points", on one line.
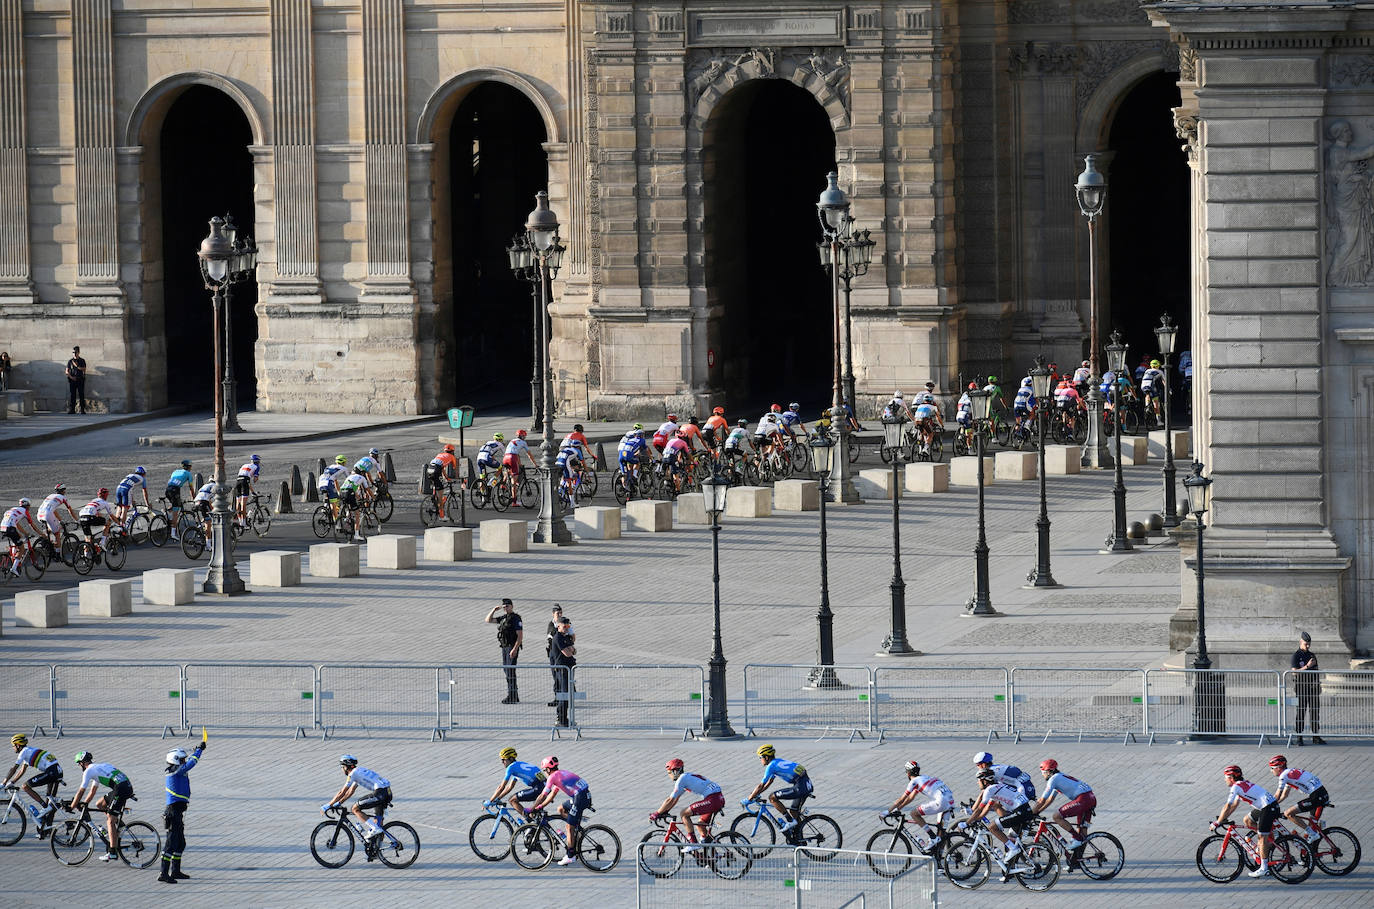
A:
{"points": [[501, 497], [589, 483], [453, 507], [532, 846], [489, 837], [5, 564], [751, 474], [620, 486], [1337, 852], [82, 562], [45, 546], [598, 848], [260, 519], [1044, 863], [138, 529], [322, 521], [479, 493], [665, 857], [730, 856], [1290, 859], [853, 450], [35, 563], [13, 822], [139, 844], [937, 448], [71, 543], [1130, 423], [1216, 865], [193, 542], [823, 833], [758, 829], [332, 844], [384, 505], [895, 848], [529, 493], [399, 846], [1080, 430], [71, 841], [1002, 432], [343, 525], [371, 526], [429, 511], [159, 531], [1101, 856], [966, 864], [115, 553], [886, 454]]}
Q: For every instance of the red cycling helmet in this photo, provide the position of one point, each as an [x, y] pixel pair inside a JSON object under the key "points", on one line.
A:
{"points": [[1049, 765], [776, 408], [973, 386], [449, 448], [718, 411], [1233, 770], [673, 764], [103, 493], [521, 433], [672, 418], [1278, 760]]}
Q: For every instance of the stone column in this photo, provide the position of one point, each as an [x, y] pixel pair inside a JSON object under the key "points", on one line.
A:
{"points": [[384, 151], [295, 238], [16, 283], [97, 268]]}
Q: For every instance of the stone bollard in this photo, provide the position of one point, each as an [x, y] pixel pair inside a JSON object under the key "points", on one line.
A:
{"points": [[876, 482], [649, 515], [927, 476], [1062, 460], [795, 495], [169, 586], [448, 544], [391, 550], [275, 568], [1015, 465], [296, 480], [749, 502], [389, 467], [284, 498], [503, 535], [1135, 450], [425, 485], [691, 508], [335, 560], [963, 470], [599, 522], [601, 455], [312, 489], [106, 597], [1155, 523], [40, 608], [1136, 531]]}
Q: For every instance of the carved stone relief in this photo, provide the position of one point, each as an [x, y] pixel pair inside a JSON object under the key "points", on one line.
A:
{"points": [[768, 63], [1185, 125], [1349, 206], [1352, 72], [1032, 59], [1099, 59], [1036, 12]]}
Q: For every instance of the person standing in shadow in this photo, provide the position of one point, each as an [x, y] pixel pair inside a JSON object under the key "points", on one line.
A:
{"points": [[1307, 684]]}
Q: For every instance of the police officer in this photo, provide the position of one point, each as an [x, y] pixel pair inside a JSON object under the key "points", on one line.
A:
{"points": [[510, 634], [178, 797]]}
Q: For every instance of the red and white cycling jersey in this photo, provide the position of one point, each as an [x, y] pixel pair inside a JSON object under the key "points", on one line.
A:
{"points": [[1008, 798], [1299, 779], [1250, 793]]}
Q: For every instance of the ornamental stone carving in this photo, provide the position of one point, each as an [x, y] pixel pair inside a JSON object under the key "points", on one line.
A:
{"points": [[1031, 59], [1123, 11], [1349, 207], [1100, 59], [1185, 125], [828, 64], [1036, 12], [1352, 72]]}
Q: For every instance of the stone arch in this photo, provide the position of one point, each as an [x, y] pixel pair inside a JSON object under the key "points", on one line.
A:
{"points": [[444, 101], [1095, 122], [761, 66], [157, 99]]}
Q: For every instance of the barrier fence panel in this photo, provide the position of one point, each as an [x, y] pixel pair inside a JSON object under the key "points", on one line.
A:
{"points": [[122, 697], [250, 696], [477, 690], [1078, 701], [391, 698], [1213, 701], [791, 696], [744, 877], [1333, 703], [836, 878], [668, 698], [27, 702], [948, 699]]}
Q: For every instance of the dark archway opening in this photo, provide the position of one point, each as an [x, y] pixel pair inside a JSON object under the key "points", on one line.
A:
{"points": [[1148, 198], [207, 170], [768, 147], [497, 163]]}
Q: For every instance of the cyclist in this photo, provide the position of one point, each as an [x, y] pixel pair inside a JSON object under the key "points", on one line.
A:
{"points": [[937, 795], [631, 446], [579, 800], [791, 772], [514, 450], [1152, 387], [791, 419], [178, 786], [963, 411], [17, 524], [1264, 810], [98, 512], [666, 430], [768, 433], [1314, 793], [379, 797], [896, 408], [578, 439], [1012, 808], [243, 487], [490, 454], [1006, 773], [181, 479], [676, 456], [518, 773], [1081, 801], [205, 503], [1024, 404], [369, 462], [329, 481], [1082, 376], [353, 491], [710, 800], [47, 512], [48, 773], [716, 428], [733, 446], [994, 389], [569, 462], [93, 776], [441, 466], [690, 432], [123, 492]]}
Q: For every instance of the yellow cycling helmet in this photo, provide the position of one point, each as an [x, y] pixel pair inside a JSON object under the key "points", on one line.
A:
{"points": [[508, 753], [19, 739], [766, 751], [500, 437]]}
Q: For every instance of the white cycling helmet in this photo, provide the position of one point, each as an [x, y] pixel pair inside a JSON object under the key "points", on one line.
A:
{"points": [[983, 757], [176, 756]]}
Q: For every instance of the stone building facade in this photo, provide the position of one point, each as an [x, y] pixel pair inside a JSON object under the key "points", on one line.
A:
{"points": [[957, 127]]}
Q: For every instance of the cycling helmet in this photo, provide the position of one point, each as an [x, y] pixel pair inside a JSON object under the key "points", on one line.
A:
{"points": [[983, 757], [348, 760], [176, 756], [520, 433], [913, 767], [1025, 383], [1054, 367], [508, 753], [499, 437], [1233, 771], [794, 407], [672, 418], [691, 418], [577, 427], [896, 395], [103, 493], [140, 471], [776, 408], [1049, 765], [639, 426], [373, 453], [1277, 761], [186, 462], [718, 411], [340, 459], [973, 386], [741, 423], [449, 448], [83, 757], [24, 503], [930, 386], [673, 764], [60, 488], [987, 776], [255, 458], [992, 380], [549, 763], [639, 433], [19, 739], [1086, 363], [766, 751]]}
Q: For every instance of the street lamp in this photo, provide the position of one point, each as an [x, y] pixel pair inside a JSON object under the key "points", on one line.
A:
{"points": [[980, 604], [1040, 387], [243, 260], [823, 456], [1091, 190], [1209, 700], [857, 247], [1167, 333], [541, 234], [1116, 363], [521, 256], [833, 210], [713, 492], [217, 271], [895, 644]]}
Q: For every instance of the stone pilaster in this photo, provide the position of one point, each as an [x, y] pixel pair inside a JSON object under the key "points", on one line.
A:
{"points": [[97, 269], [16, 283], [384, 149], [294, 190]]}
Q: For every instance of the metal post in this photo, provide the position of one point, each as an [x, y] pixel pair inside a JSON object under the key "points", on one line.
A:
{"points": [[462, 493], [895, 644], [229, 389], [1202, 661], [223, 577], [980, 604], [718, 715], [1118, 541], [840, 478], [1041, 576], [536, 404], [1095, 454], [822, 676], [551, 528], [1209, 688], [847, 275], [1171, 517]]}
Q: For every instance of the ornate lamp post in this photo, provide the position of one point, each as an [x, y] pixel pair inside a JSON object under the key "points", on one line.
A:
{"points": [[1209, 698], [243, 260], [823, 456], [980, 604], [833, 209], [895, 644], [1091, 190], [714, 491], [1116, 362], [541, 233], [1040, 576], [521, 256], [218, 271], [857, 247], [1167, 332]]}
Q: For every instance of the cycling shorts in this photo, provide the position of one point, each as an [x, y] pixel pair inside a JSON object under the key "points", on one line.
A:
{"points": [[174, 496], [122, 495], [1021, 411], [1016, 821], [629, 466], [378, 799], [485, 464], [205, 508], [120, 793], [329, 492], [576, 805], [1317, 799], [13, 534], [89, 521], [50, 778], [799, 792], [529, 794], [570, 469], [1263, 818], [935, 806], [350, 498], [708, 806], [659, 441], [53, 521], [243, 488], [1081, 807], [436, 473], [512, 463]]}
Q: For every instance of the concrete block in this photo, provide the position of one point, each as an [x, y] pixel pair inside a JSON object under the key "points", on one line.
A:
{"points": [[391, 550], [335, 560], [1134, 450], [41, 608], [649, 515], [964, 471], [19, 403], [1015, 465], [107, 598], [448, 544], [876, 483], [749, 502], [796, 495], [169, 586], [1182, 442], [927, 476], [691, 508], [275, 568], [504, 535], [1061, 460], [597, 522]]}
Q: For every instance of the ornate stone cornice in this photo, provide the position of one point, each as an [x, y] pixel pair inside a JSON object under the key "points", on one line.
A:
{"points": [[706, 68], [1032, 59]]}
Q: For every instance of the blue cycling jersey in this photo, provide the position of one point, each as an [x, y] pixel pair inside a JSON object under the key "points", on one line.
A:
{"points": [[525, 773], [181, 479], [131, 481], [629, 449], [790, 771]]}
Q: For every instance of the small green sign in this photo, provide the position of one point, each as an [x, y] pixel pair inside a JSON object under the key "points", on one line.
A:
{"points": [[174, 694], [460, 417], [999, 698], [694, 696], [1136, 699], [789, 883], [863, 697], [307, 695]]}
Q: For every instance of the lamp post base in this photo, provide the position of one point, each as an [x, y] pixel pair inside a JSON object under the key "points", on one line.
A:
{"points": [[717, 716], [1037, 581], [224, 582], [1096, 454], [824, 677], [975, 610], [897, 648]]}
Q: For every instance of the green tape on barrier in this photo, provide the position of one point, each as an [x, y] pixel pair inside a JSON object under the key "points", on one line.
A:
{"points": [[789, 883], [1273, 702], [694, 696], [1136, 699], [999, 697], [307, 695], [863, 697], [174, 694]]}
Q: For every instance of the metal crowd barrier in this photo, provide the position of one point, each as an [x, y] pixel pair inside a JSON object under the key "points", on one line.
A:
{"points": [[845, 877], [669, 697], [476, 690], [1229, 702], [792, 696], [238, 696], [27, 701], [1079, 701], [389, 698], [942, 699], [118, 697], [1337, 703]]}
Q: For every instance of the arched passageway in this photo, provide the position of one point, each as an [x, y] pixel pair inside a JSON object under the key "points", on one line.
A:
{"points": [[206, 170], [767, 149]]}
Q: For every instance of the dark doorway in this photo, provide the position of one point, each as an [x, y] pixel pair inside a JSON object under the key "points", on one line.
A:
{"points": [[497, 164], [207, 170], [768, 147], [1148, 201]]}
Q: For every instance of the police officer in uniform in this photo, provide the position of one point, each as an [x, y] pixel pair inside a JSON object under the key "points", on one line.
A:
{"points": [[178, 787], [510, 634]]}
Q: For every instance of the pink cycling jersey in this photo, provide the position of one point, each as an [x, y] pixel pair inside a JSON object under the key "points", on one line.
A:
{"points": [[566, 781], [1299, 779]]}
